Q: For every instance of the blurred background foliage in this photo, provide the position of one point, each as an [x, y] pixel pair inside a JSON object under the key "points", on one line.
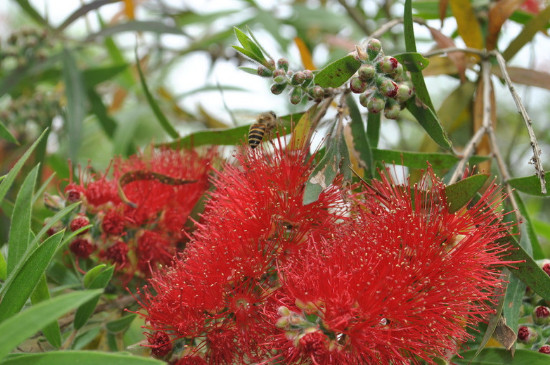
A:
{"points": [[73, 67]]}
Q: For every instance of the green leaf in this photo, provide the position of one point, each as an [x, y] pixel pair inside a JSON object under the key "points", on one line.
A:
{"points": [[24, 278], [100, 281], [135, 26], [460, 193], [121, 324], [410, 45], [527, 269], [80, 358], [324, 173], [429, 121], [3, 268], [164, 123], [250, 47], [20, 228], [5, 133], [248, 53], [338, 72], [412, 61], [108, 124], [532, 244], [418, 160], [373, 128], [360, 141], [500, 356], [529, 185], [538, 23], [95, 76], [225, 137], [92, 274], [6, 183], [32, 13], [76, 102], [25, 324], [51, 331]]}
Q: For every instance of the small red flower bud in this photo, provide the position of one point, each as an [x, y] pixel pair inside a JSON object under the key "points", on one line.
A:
{"points": [[78, 222], [387, 65], [117, 254], [113, 223], [541, 315], [73, 193], [365, 97], [404, 93], [357, 85], [388, 87], [317, 93], [546, 268], [527, 335], [545, 349], [160, 343], [282, 63], [279, 72], [82, 247], [313, 344]]}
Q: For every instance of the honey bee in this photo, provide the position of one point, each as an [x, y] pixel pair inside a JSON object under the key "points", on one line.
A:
{"points": [[264, 124]]}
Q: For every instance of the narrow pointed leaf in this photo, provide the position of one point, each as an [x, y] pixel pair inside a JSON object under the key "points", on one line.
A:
{"points": [[429, 121], [20, 226], [76, 102], [51, 331], [538, 23], [5, 134], [81, 358], [413, 61], [25, 324], [164, 123], [531, 242], [460, 193], [85, 311], [6, 183], [24, 278], [373, 129], [301, 131], [500, 356], [499, 12], [468, 25], [121, 324], [360, 140], [418, 160], [250, 46], [338, 72], [529, 185]]}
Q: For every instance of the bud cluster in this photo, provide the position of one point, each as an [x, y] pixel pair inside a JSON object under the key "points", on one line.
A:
{"points": [[27, 115], [300, 82], [24, 47], [381, 81], [534, 330]]}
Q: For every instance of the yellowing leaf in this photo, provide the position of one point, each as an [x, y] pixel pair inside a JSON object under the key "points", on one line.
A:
{"points": [[468, 26], [300, 134], [458, 58], [499, 12], [129, 9], [526, 76], [305, 54]]}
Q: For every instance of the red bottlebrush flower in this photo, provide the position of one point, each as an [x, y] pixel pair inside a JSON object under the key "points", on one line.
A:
{"points": [[113, 223], [152, 249], [160, 343], [78, 222], [101, 191], [117, 254], [191, 360], [402, 281], [82, 247], [253, 223]]}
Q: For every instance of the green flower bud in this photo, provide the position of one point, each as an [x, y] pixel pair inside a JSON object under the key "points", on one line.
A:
{"points": [[308, 77], [387, 64], [388, 87], [296, 95], [317, 93], [357, 85], [373, 48], [392, 109], [298, 78], [278, 88], [398, 71], [282, 63], [404, 93], [280, 79], [366, 72], [376, 103], [264, 71]]}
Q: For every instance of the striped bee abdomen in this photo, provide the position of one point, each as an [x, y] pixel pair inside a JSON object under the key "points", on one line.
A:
{"points": [[256, 134]]}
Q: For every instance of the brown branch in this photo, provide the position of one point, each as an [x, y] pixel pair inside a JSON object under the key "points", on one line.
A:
{"points": [[356, 17]]}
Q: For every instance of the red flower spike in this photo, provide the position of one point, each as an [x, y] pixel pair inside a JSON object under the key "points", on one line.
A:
{"points": [[403, 280], [160, 343], [113, 223], [153, 249], [254, 222], [117, 254], [82, 248]]}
